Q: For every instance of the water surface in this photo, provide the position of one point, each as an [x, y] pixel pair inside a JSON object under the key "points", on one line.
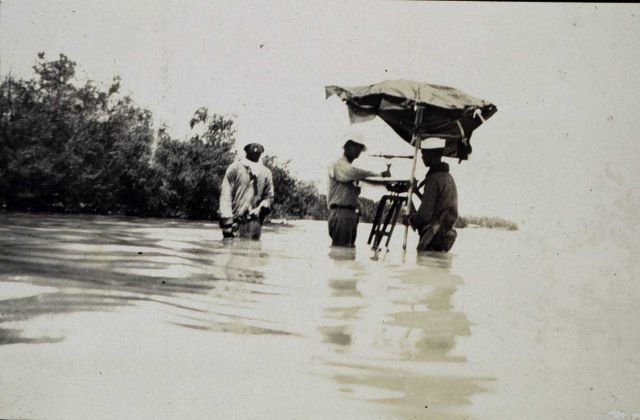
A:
{"points": [[104, 317]]}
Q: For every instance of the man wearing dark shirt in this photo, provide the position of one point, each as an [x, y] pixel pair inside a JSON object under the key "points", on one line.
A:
{"points": [[438, 211]]}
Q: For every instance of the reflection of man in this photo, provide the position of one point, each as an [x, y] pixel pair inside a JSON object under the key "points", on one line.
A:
{"points": [[343, 192], [246, 195], [439, 208]]}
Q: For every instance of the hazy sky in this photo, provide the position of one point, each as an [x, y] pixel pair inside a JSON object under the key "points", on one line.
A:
{"points": [[560, 155]]}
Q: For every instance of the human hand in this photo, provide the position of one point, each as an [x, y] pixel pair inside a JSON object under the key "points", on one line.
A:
{"points": [[227, 226], [407, 220], [228, 231]]}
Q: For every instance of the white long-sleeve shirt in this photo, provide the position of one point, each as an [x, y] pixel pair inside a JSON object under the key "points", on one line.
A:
{"points": [[238, 194]]}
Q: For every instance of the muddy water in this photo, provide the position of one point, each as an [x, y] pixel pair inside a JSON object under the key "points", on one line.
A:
{"points": [[126, 318]]}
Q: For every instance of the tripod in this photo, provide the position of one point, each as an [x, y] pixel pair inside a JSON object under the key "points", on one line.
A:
{"points": [[389, 208]]}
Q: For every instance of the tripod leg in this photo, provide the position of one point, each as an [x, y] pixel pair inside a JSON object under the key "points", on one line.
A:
{"points": [[375, 228], [387, 219], [380, 227], [397, 205]]}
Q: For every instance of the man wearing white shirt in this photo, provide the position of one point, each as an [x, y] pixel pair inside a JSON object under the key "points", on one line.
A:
{"points": [[246, 195]]}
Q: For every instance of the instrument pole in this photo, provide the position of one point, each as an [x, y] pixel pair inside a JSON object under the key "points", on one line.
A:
{"points": [[416, 140]]}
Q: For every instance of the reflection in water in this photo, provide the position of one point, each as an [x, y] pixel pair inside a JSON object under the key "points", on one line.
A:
{"points": [[425, 312], [409, 395], [402, 318], [14, 336], [342, 254], [241, 295], [378, 332], [102, 264]]}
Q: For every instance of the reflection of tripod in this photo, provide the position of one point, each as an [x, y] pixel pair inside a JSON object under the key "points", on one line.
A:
{"points": [[389, 208]]}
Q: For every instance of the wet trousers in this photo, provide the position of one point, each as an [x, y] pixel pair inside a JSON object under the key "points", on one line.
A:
{"points": [[441, 241], [343, 227], [251, 229]]}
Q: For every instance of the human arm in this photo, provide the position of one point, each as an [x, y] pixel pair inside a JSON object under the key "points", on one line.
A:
{"points": [[424, 215], [226, 198], [343, 171], [267, 196], [416, 188], [269, 191]]}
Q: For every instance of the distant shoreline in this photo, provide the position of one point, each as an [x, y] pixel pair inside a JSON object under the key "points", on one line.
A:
{"points": [[487, 222]]}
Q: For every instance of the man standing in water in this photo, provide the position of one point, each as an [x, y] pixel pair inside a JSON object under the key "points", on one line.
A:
{"points": [[343, 192], [438, 211], [246, 195]]}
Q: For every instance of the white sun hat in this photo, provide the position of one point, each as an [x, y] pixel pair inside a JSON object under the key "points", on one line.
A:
{"points": [[432, 143]]}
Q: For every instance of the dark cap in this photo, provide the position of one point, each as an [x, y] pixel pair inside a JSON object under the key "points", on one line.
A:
{"points": [[353, 143], [254, 147]]}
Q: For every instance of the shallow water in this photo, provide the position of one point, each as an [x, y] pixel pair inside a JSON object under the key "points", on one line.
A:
{"points": [[105, 317]]}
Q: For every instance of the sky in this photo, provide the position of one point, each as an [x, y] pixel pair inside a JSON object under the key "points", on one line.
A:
{"points": [[560, 155]]}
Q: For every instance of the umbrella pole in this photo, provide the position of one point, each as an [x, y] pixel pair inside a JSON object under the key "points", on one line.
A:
{"points": [[416, 140]]}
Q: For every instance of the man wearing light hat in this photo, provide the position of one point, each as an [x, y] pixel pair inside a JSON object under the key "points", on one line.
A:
{"points": [[343, 192], [246, 195], [438, 211]]}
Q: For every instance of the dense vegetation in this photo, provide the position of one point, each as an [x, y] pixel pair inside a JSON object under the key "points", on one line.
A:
{"points": [[73, 147], [67, 146], [485, 222]]}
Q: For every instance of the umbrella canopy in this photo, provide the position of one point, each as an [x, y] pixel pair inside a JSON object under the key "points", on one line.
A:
{"points": [[447, 113]]}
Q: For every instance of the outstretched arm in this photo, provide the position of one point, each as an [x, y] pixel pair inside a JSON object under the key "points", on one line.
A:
{"points": [[344, 172]]}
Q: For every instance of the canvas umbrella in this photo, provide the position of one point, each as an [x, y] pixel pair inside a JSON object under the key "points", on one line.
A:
{"points": [[416, 111]]}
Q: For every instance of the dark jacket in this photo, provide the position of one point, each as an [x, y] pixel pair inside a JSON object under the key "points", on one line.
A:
{"points": [[438, 211]]}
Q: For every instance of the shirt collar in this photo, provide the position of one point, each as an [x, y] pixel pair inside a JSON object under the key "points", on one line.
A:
{"points": [[251, 165]]}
